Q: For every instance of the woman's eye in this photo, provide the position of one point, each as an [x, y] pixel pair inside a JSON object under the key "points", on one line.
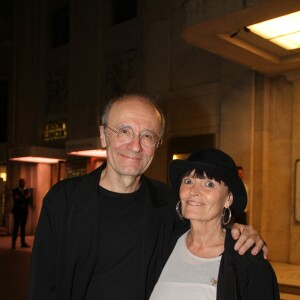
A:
{"points": [[187, 180], [209, 184]]}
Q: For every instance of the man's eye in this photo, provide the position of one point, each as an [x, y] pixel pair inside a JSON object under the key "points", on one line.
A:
{"points": [[124, 130], [148, 136]]}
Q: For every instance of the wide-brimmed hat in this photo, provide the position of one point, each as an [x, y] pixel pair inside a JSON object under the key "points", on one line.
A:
{"points": [[217, 163]]}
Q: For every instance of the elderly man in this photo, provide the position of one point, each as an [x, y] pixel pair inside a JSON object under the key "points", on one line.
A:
{"points": [[100, 236]]}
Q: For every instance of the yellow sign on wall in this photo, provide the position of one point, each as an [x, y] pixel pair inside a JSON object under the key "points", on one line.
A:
{"points": [[55, 131]]}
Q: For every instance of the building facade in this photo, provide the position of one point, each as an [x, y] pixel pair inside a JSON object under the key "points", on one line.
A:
{"points": [[66, 58]]}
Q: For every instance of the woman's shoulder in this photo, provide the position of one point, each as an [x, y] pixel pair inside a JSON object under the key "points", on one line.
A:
{"points": [[245, 260]]}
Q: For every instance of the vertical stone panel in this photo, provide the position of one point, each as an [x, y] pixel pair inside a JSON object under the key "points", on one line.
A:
{"points": [[277, 208], [86, 59], [26, 102], [42, 182], [236, 123], [294, 241]]}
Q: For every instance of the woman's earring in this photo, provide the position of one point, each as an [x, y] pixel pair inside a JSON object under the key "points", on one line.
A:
{"points": [[178, 210], [226, 211]]}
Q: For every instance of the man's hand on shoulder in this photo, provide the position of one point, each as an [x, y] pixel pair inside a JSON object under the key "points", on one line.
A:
{"points": [[246, 237]]}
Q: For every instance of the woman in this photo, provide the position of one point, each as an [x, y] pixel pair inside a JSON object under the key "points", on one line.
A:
{"points": [[203, 264]]}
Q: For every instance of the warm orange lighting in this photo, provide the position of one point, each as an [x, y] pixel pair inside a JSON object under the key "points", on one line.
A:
{"points": [[180, 156], [3, 175], [89, 153], [34, 159]]}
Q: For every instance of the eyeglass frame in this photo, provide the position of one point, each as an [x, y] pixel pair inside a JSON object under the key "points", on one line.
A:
{"points": [[155, 145]]}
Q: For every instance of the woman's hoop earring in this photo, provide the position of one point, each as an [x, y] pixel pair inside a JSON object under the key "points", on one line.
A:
{"points": [[178, 210], [225, 210]]}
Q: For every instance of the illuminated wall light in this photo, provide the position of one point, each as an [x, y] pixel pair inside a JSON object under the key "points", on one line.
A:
{"points": [[89, 153], [34, 159], [283, 31], [90, 147], [34, 154], [181, 156], [288, 42], [3, 176]]}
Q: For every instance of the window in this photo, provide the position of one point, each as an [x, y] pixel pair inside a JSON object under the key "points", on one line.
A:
{"points": [[123, 10], [3, 110], [61, 26]]}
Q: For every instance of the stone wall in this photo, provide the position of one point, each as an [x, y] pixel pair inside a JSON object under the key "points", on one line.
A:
{"points": [[253, 117]]}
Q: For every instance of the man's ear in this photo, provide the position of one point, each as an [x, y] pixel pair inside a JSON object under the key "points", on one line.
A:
{"points": [[102, 136]]}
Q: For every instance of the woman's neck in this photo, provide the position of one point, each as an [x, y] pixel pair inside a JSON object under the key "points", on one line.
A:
{"points": [[206, 241]]}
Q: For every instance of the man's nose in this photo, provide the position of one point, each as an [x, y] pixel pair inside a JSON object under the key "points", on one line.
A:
{"points": [[135, 143]]}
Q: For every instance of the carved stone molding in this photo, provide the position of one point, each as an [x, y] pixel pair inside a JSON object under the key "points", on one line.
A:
{"points": [[56, 106], [122, 73]]}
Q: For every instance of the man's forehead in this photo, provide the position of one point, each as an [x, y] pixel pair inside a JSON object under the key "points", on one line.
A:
{"points": [[133, 107], [138, 101]]}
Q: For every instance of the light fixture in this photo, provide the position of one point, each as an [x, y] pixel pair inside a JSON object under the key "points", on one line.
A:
{"points": [[89, 153], [35, 159], [283, 31], [89, 147], [35, 154], [3, 173], [182, 156], [3, 176]]}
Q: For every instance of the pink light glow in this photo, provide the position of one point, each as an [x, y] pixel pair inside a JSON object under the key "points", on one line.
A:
{"points": [[34, 159], [89, 153]]}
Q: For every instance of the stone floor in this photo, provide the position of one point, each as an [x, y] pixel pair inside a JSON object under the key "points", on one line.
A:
{"points": [[288, 277], [14, 268]]}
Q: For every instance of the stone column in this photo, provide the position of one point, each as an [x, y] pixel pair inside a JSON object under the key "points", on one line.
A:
{"points": [[294, 77], [86, 63]]}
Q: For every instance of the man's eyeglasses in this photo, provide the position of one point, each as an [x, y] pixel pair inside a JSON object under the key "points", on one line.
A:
{"points": [[148, 138]]}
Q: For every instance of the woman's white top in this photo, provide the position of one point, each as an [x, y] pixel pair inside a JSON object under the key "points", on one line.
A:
{"points": [[187, 276]]}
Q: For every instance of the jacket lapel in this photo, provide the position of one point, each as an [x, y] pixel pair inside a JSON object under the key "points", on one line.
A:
{"points": [[232, 281], [83, 233], [152, 224]]}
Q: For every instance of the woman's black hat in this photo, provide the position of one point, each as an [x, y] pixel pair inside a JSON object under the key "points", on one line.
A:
{"points": [[218, 163]]}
